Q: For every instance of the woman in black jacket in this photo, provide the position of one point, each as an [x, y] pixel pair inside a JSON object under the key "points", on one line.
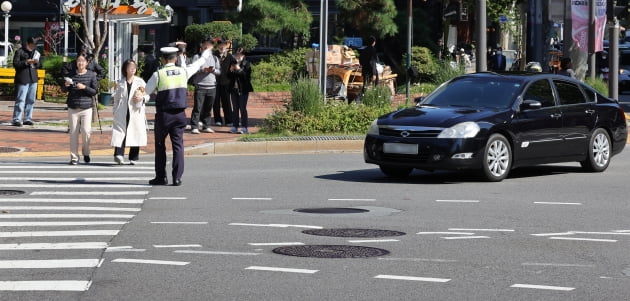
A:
{"points": [[240, 81], [81, 85]]}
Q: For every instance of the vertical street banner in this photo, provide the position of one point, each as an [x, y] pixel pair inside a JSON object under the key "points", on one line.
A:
{"points": [[579, 16]]}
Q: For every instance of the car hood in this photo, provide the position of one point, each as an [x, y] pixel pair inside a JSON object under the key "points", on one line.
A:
{"points": [[439, 116]]}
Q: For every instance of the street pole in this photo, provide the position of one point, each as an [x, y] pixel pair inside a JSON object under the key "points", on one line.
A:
{"points": [[480, 31], [409, 38], [613, 57], [323, 47], [591, 39], [6, 38]]}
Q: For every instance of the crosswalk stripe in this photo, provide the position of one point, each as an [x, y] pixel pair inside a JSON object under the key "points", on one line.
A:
{"points": [[49, 264], [75, 179], [58, 285], [116, 172], [55, 224], [68, 208], [59, 233], [54, 246], [76, 185], [11, 215], [143, 192], [65, 166], [48, 200]]}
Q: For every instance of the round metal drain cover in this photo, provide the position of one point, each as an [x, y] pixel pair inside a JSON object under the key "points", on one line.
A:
{"points": [[6, 149], [353, 232], [331, 210], [11, 192], [330, 251]]}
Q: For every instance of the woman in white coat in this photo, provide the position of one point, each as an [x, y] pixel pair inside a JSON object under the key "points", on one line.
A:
{"points": [[130, 121]]}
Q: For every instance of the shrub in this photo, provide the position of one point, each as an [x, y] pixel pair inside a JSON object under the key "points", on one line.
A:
{"points": [[423, 61], [377, 97], [53, 65], [294, 59], [447, 71], [265, 73], [598, 84], [305, 97]]}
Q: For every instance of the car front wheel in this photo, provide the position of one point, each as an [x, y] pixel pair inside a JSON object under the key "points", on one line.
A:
{"points": [[395, 172], [497, 158], [598, 152]]}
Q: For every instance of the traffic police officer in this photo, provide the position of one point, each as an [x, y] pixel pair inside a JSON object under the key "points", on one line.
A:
{"points": [[170, 83]]}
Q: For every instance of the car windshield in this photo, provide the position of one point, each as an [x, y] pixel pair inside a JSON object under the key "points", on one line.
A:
{"points": [[494, 93]]}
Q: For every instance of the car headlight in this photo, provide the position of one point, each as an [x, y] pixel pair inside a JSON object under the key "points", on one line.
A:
{"points": [[373, 130], [467, 129]]}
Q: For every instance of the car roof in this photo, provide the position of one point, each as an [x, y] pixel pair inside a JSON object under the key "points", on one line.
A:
{"points": [[521, 76]]}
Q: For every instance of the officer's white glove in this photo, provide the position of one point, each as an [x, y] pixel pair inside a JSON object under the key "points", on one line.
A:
{"points": [[206, 54]]}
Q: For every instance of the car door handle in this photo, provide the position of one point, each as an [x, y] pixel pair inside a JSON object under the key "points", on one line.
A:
{"points": [[589, 112], [556, 115]]}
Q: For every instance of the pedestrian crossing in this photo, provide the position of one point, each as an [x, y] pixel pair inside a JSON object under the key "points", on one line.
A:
{"points": [[53, 235]]}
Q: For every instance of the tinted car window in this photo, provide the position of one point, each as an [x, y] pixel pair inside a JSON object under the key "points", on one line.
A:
{"points": [[589, 94], [540, 91], [569, 93], [475, 92]]}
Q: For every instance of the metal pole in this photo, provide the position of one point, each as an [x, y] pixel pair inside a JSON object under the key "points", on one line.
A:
{"points": [[613, 59], [323, 47], [591, 38], [6, 38], [409, 38], [482, 42]]}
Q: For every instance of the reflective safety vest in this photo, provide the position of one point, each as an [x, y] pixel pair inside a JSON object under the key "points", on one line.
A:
{"points": [[172, 88]]}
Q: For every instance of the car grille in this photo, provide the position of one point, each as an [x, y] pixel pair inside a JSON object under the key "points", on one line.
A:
{"points": [[428, 133], [375, 150]]}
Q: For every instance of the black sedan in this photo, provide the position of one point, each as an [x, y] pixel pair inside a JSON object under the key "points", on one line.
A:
{"points": [[495, 122]]}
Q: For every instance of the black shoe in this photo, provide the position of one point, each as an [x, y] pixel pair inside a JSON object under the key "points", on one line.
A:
{"points": [[177, 182], [86, 159], [28, 122], [158, 181], [16, 123]]}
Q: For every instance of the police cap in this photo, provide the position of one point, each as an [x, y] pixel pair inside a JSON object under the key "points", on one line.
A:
{"points": [[168, 51]]}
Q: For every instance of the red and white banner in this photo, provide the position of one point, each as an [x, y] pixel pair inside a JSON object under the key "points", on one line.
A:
{"points": [[579, 16]]}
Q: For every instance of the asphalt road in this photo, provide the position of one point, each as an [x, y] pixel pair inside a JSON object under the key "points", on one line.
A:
{"points": [[549, 232]]}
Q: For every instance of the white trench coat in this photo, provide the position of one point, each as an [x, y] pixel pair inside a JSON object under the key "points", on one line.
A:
{"points": [[136, 130]]}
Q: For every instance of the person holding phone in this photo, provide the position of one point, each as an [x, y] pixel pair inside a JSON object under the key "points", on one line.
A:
{"points": [[25, 61], [205, 81]]}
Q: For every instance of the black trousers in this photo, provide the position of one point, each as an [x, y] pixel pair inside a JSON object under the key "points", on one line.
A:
{"points": [[169, 123], [204, 101], [134, 151], [223, 100]]}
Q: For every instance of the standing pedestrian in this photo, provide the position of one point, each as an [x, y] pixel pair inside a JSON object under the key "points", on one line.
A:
{"points": [[566, 67], [130, 121], [498, 60], [240, 74], [226, 60], [205, 81], [171, 84], [368, 60], [25, 62], [81, 85]]}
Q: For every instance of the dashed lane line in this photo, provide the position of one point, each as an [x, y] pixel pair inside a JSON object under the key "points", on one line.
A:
{"points": [[276, 243], [181, 223], [583, 239], [372, 240], [285, 270], [167, 198], [412, 278], [276, 225], [353, 200], [178, 246], [446, 233], [463, 237], [557, 203], [542, 287], [417, 259], [457, 201], [253, 199], [216, 252], [551, 264], [481, 230], [150, 261]]}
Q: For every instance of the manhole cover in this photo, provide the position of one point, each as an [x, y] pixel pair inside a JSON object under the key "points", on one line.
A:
{"points": [[353, 232], [11, 192], [330, 251], [331, 210], [5, 149]]}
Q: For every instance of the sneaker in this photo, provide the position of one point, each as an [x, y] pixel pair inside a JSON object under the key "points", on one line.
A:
{"points": [[218, 123], [119, 159], [229, 124], [207, 130], [194, 131], [188, 127], [28, 122], [243, 131], [233, 130], [86, 159], [74, 162], [200, 124], [132, 162], [16, 123]]}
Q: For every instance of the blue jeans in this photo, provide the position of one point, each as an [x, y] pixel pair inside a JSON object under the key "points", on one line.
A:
{"points": [[24, 102]]}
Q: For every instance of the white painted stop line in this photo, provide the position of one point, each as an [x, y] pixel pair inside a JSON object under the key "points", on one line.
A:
{"points": [[55, 224], [411, 278], [59, 285], [60, 233], [55, 246], [49, 264], [285, 270]]}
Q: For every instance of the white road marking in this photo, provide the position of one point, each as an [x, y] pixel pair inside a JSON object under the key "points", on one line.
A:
{"points": [[622, 231], [570, 265], [123, 249], [75, 185], [372, 240], [55, 224], [49, 264], [411, 278], [58, 285], [553, 234], [55, 246], [182, 223], [10, 215], [276, 225], [286, 270], [148, 261], [83, 171], [481, 230], [65, 166], [464, 237], [76, 180], [68, 208], [446, 233], [457, 201], [416, 259], [557, 203], [584, 239], [543, 287], [47, 200], [358, 200], [216, 252], [276, 243], [253, 199], [601, 233], [143, 192], [167, 198], [177, 246], [60, 233]]}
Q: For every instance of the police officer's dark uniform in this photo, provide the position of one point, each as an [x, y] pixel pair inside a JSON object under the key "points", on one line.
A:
{"points": [[170, 83]]}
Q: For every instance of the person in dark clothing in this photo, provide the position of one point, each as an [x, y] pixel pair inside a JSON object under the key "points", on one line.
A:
{"points": [[498, 61], [226, 60], [25, 61], [81, 85], [240, 75], [92, 66], [151, 64], [368, 60]]}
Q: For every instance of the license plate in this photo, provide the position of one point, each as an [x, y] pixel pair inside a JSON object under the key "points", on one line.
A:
{"points": [[400, 148]]}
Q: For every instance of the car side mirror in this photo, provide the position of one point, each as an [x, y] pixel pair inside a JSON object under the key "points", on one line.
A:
{"points": [[530, 104]]}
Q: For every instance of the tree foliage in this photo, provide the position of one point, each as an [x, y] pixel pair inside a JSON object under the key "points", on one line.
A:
{"points": [[370, 17], [266, 17]]}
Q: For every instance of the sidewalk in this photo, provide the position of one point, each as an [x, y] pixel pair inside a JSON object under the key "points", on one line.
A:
{"points": [[42, 140]]}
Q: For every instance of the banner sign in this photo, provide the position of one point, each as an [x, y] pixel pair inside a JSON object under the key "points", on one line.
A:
{"points": [[579, 15]]}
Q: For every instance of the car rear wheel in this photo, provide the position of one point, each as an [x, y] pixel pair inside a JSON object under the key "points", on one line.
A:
{"points": [[598, 152], [497, 158], [395, 172]]}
